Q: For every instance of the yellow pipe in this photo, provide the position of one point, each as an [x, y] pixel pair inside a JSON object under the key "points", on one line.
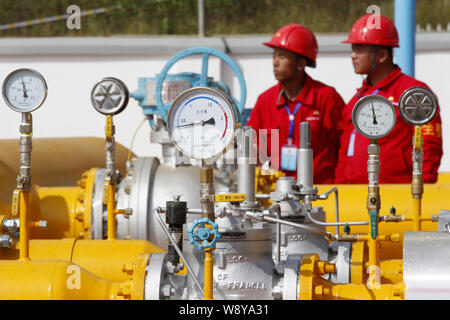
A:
{"points": [[114, 255], [325, 290], [111, 206], [391, 270], [417, 214], [357, 268], [24, 227], [314, 287], [207, 203], [67, 210], [59, 280], [104, 258], [374, 264], [65, 214], [209, 265]]}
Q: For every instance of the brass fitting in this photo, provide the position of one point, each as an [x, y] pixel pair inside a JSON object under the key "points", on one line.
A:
{"points": [[348, 237], [417, 186], [392, 218], [207, 192], [373, 199], [206, 176]]}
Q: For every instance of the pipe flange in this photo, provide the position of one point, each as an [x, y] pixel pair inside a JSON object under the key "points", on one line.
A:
{"points": [[155, 275], [342, 261], [291, 284]]}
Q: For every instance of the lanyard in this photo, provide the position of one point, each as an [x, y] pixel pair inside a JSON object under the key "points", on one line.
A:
{"points": [[351, 143], [291, 119]]}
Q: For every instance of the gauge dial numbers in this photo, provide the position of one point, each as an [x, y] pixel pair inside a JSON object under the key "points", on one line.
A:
{"points": [[24, 90], [374, 116], [201, 122]]}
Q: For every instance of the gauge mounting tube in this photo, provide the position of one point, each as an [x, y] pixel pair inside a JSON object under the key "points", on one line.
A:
{"points": [[305, 162]]}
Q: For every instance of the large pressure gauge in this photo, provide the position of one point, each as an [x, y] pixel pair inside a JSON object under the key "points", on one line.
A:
{"points": [[202, 122], [24, 90], [418, 106], [109, 96], [374, 116]]}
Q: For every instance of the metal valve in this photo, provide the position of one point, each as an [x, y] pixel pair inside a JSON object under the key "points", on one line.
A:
{"points": [[175, 217], [207, 229]]}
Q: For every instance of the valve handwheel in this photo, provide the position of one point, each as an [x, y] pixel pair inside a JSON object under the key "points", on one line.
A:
{"points": [[205, 52], [207, 231]]}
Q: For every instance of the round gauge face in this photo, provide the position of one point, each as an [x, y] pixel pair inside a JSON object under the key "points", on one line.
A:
{"points": [[374, 116], [24, 90], [202, 122], [418, 106], [109, 96]]}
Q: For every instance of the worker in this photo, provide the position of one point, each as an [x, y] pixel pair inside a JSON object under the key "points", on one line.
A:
{"points": [[372, 55], [297, 98]]}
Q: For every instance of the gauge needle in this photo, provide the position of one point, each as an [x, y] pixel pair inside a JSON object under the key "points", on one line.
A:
{"points": [[210, 121], [373, 115], [24, 89]]}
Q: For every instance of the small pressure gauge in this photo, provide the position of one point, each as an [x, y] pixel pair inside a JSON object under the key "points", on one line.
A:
{"points": [[374, 116], [202, 122], [418, 106], [109, 96], [24, 90]]}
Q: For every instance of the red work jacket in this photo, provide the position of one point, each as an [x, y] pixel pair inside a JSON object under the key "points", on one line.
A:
{"points": [[321, 106], [396, 148]]}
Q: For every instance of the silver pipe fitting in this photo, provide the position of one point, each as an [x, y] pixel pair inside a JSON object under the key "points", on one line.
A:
{"points": [[336, 204], [277, 208], [11, 225], [305, 158], [417, 165], [246, 161], [331, 224], [5, 241], [25, 148], [110, 148], [373, 164], [260, 217]]}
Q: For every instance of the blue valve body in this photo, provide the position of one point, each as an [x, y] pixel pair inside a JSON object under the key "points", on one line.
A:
{"points": [[195, 79]]}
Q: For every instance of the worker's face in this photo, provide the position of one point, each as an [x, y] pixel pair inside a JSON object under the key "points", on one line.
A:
{"points": [[361, 58], [285, 64]]}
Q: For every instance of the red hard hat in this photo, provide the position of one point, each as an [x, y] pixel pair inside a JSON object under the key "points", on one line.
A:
{"points": [[369, 30], [297, 38]]}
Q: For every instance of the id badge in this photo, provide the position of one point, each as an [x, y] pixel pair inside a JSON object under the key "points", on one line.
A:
{"points": [[289, 157]]}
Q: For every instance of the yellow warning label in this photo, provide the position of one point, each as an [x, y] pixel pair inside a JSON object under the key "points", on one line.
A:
{"points": [[417, 137], [108, 128], [230, 197], [105, 192], [15, 202]]}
